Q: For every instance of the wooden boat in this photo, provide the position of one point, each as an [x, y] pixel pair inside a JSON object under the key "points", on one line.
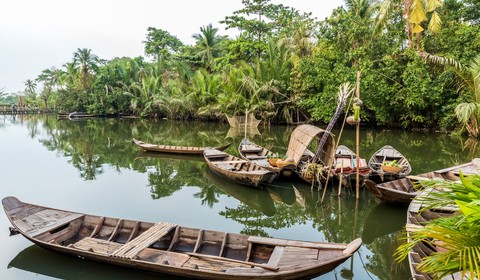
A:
{"points": [[262, 156], [386, 155], [417, 216], [346, 167], [236, 169], [311, 167], [172, 249], [403, 190], [175, 149]]}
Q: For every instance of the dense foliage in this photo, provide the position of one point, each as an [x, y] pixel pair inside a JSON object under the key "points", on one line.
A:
{"points": [[286, 67]]}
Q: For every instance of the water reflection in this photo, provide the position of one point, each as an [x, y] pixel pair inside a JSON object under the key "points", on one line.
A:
{"points": [[43, 262], [382, 220], [103, 149], [258, 200]]}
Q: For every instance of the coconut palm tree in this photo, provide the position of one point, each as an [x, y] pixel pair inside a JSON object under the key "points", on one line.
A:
{"points": [[209, 45], [361, 8], [415, 12], [86, 64], [30, 87], [50, 78]]}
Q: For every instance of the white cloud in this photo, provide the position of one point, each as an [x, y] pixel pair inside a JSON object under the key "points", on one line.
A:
{"points": [[40, 34]]}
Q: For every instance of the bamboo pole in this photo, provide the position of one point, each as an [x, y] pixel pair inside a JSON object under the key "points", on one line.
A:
{"points": [[357, 183]]}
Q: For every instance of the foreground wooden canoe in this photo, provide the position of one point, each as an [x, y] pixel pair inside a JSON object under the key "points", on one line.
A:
{"points": [[175, 149], [168, 248], [402, 191], [417, 216], [386, 155], [236, 169]]}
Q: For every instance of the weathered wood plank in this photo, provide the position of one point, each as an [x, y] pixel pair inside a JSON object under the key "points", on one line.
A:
{"points": [[293, 243], [232, 260]]}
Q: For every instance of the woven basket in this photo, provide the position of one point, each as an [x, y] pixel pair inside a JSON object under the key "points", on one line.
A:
{"points": [[388, 168]]}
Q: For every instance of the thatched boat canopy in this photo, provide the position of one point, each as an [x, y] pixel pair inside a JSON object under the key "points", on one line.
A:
{"points": [[303, 136]]}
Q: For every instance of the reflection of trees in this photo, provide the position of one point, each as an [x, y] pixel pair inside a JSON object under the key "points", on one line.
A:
{"points": [[166, 176], [208, 194], [381, 262], [256, 223], [92, 144]]}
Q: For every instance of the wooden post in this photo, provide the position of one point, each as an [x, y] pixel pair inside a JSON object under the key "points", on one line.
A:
{"points": [[357, 183]]}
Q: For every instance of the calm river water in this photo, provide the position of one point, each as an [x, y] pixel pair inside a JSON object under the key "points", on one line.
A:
{"points": [[92, 166]]}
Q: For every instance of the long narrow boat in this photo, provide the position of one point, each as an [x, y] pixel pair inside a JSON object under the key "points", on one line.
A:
{"points": [[417, 216], [384, 156], [189, 150], [172, 249], [402, 191], [346, 167], [236, 169]]}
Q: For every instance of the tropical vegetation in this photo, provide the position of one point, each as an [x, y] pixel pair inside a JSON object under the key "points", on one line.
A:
{"points": [[458, 235], [286, 66]]}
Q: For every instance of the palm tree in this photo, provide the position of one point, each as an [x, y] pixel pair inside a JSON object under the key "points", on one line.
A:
{"points": [[208, 45], [30, 87], [459, 235], [50, 78], [415, 12], [86, 63], [468, 112], [361, 8]]}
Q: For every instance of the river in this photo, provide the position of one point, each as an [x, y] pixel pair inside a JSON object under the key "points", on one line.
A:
{"points": [[92, 166]]}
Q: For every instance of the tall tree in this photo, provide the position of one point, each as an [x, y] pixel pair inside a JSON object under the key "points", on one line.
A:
{"points": [[160, 44], [86, 64], [416, 13], [208, 45], [50, 78], [30, 87]]}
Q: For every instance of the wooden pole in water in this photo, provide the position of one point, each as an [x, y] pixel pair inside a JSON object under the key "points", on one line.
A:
{"points": [[357, 183]]}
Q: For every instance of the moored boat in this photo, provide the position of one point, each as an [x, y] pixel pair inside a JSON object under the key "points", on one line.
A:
{"points": [[311, 167], [418, 216], [236, 169], [380, 164], [262, 156], [403, 190], [346, 167], [189, 150], [172, 249]]}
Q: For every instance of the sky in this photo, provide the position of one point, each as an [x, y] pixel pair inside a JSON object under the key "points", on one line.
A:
{"points": [[36, 35]]}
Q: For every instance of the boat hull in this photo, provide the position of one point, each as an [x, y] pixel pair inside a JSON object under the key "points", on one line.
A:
{"points": [[170, 249], [185, 150]]}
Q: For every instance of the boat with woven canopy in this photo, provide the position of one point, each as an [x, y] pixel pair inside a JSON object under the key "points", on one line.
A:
{"points": [[311, 167], [168, 248]]}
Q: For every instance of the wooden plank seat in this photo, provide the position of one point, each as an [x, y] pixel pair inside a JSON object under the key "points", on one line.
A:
{"points": [[96, 245], [251, 149], [255, 157], [131, 249]]}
